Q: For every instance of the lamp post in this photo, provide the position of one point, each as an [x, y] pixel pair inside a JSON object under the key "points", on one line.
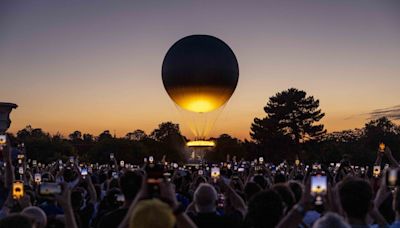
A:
{"points": [[5, 110]]}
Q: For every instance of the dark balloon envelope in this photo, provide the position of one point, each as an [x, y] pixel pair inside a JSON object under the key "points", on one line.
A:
{"points": [[200, 73]]}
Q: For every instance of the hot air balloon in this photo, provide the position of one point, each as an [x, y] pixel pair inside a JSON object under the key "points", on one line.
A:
{"points": [[200, 74]]}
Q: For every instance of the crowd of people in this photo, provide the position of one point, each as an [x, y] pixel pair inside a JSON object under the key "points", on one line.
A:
{"points": [[164, 194]]}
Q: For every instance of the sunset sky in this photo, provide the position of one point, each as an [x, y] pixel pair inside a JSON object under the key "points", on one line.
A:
{"points": [[96, 65]]}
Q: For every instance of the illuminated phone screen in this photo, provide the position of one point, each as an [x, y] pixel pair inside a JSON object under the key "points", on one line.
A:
{"points": [[318, 185]]}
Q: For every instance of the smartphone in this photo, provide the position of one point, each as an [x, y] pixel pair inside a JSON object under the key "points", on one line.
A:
{"points": [[38, 178], [84, 172], [50, 188], [260, 160], [201, 172], [175, 165], [18, 190], [3, 140], [121, 198], [392, 178], [115, 175], [122, 163], [382, 147], [111, 156], [145, 160], [151, 159], [241, 169], [34, 162], [21, 170], [376, 170], [297, 162], [215, 173], [318, 185], [155, 175]]}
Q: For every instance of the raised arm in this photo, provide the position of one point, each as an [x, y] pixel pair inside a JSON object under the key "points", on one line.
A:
{"points": [[64, 200]]}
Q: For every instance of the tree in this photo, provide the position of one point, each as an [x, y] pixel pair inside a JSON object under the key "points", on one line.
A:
{"points": [[165, 130], [43, 147], [88, 138], [382, 130], [290, 122], [170, 141], [105, 135], [226, 144], [75, 136], [137, 135]]}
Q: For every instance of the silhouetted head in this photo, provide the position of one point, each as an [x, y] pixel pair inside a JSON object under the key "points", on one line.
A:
{"points": [[130, 183], [265, 209], [286, 194], [152, 213], [251, 189], [205, 198], [356, 197], [297, 189], [37, 215], [331, 220]]}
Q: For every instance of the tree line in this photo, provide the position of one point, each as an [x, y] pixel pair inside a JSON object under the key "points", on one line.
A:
{"points": [[289, 130]]}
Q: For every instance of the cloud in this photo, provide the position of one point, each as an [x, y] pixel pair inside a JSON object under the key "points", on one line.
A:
{"points": [[391, 113]]}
